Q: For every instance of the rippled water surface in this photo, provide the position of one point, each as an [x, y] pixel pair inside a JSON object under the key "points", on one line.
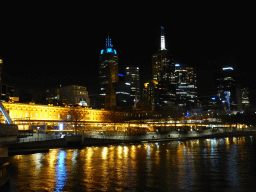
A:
{"points": [[197, 165]]}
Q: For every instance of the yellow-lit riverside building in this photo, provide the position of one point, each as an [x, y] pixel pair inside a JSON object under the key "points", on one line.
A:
{"points": [[29, 115], [50, 118]]}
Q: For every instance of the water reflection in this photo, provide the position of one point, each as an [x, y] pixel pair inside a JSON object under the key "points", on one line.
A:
{"points": [[61, 172], [183, 165]]}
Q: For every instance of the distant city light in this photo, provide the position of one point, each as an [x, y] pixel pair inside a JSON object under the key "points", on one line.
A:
{"points": [[177, 65]]}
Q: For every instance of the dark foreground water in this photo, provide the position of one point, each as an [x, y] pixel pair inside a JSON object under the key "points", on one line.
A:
{"points": [[226, 164]]}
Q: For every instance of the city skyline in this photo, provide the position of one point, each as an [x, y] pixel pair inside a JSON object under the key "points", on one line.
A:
{"points": [[48, 54]]}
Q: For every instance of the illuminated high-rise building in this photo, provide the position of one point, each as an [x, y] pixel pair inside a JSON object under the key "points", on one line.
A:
{"points": [[242, 96], [226, 88], [185, 82], [108, 74], [160, 60], [108, 66], [162, 72], [133, 82]]}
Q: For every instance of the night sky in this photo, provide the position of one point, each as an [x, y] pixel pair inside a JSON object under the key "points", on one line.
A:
{"points": [[48, 45]]}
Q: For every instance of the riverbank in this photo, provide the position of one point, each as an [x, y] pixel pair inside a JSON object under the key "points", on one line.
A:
{"points": [[79, 141]]}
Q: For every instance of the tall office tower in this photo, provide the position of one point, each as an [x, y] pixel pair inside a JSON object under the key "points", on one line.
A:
{"points": [[186, 86], [242, 96], [108, 72], [150, 93], [133, 82], [160, 59], [226, 88], [162, 72], [108, 66]]}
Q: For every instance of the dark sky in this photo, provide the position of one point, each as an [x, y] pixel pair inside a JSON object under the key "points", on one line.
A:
{"points": [[52, 45]]}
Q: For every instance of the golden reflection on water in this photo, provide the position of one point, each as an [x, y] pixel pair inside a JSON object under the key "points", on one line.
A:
{"points": [[156, 166]]}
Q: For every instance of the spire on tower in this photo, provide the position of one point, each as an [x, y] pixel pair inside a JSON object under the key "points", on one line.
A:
{"points": [[108, 47], [108, 43], [162, 39]]}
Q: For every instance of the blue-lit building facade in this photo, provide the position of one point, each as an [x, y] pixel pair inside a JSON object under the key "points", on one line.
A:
{"points": [[226, 88], [234, 97], [230, 97]]}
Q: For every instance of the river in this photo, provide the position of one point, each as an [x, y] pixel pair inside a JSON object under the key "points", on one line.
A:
{"points": [[224, 164]]}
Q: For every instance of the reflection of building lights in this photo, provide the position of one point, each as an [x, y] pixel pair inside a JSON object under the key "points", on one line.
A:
{"points": [[104, 153], [61, 173]]}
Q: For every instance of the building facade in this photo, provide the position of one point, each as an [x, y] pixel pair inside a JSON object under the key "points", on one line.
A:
{"points": [[6, 92], [226, 88], [163, 72], [132, 81], [108, 72], [25, 115], [242, 96], [151, 93], [73, 94], [185, 86], [108, 66], [160, 60]]}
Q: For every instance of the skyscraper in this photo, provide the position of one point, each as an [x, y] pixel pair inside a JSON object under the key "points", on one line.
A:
{"points": [[160, 60], [108, 66], [186, 86], [108, 74], [242, 96], [162, 72], [133, 82], [226, 88]]}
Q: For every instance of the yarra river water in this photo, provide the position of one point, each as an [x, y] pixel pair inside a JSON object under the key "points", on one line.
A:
{"points": [[224, 164]]}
